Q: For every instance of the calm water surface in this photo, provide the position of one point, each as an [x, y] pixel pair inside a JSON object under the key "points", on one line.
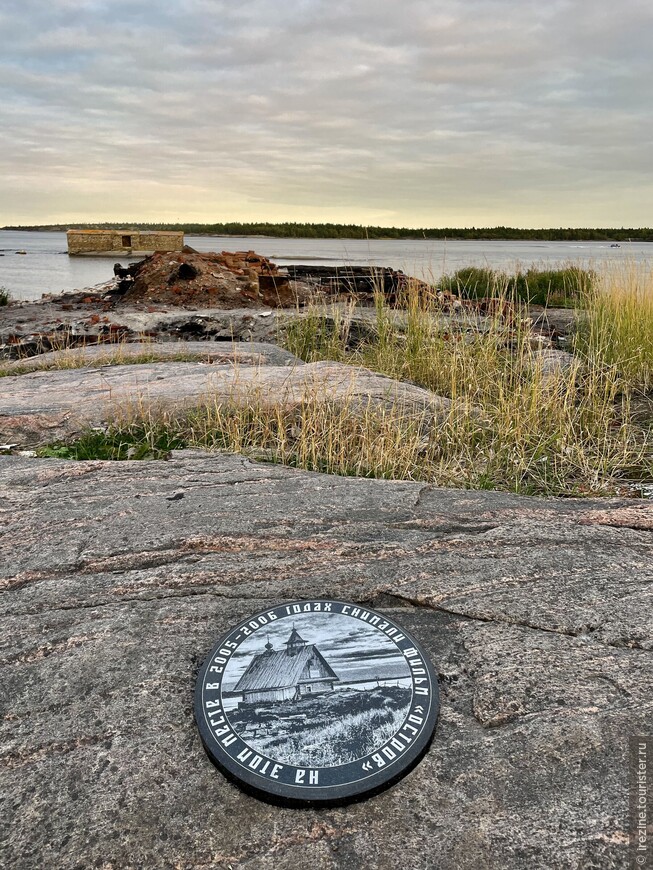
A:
{"points": [[47, 268]]}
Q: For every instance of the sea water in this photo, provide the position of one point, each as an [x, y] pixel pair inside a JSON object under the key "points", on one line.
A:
{"points": [[45, 267]]}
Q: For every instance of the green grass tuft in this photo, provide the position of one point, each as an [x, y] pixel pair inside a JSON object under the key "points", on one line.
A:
{"points": [[557, 288], [142, 440]]}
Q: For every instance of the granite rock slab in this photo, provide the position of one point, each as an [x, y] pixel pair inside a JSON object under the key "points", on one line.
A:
{"points": [[119, 577], [242, 353], [41, 407]]}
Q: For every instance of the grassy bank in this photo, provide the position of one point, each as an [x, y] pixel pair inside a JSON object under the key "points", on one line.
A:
{"points": [[521, 419], [564, 287]]}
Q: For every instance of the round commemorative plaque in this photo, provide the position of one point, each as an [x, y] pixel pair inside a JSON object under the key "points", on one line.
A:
{"points": [[316, 702]]}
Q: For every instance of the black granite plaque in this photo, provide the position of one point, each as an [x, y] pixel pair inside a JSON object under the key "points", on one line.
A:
{"points": [[316, 702]]}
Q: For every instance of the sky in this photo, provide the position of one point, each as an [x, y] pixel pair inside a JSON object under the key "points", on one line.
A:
{"points": [[353, 649], [377, 112]]}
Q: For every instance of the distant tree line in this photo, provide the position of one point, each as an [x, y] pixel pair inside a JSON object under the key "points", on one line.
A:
{"points": [[354, 231]]}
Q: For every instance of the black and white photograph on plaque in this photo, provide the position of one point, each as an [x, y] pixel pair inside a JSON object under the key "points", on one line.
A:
{"points": [[320, 691]]}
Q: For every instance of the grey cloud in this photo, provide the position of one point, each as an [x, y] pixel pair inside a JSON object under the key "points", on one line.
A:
{"points": [[412, 113]]}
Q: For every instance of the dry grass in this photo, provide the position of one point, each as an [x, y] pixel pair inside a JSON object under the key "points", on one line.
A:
{"points": [[114, 354], [518, 425], [617, 329], [337, 727], [567, 431]]}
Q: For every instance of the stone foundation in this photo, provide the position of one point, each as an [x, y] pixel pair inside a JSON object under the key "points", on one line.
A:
{"points": [[125, 242]]}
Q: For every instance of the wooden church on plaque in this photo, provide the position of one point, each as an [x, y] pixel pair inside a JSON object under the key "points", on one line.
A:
{"points": [[298, 671]]}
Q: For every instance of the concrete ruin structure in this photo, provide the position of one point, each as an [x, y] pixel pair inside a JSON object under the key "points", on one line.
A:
{"points": [[124, 242]]}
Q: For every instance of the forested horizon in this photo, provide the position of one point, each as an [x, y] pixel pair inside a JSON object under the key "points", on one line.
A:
{"points": [[356, 231]]}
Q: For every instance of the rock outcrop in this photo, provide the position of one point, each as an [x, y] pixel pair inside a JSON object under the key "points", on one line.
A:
{"points": [[244, 297], [221, 353], [39, 407], [80, 319], [119, 577]]}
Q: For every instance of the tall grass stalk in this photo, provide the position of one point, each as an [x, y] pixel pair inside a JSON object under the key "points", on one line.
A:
{"points": [[523, 426], [617, 324]]}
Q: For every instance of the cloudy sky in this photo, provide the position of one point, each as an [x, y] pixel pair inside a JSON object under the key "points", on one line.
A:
{"points": [[352, 648], [392, 112]]}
